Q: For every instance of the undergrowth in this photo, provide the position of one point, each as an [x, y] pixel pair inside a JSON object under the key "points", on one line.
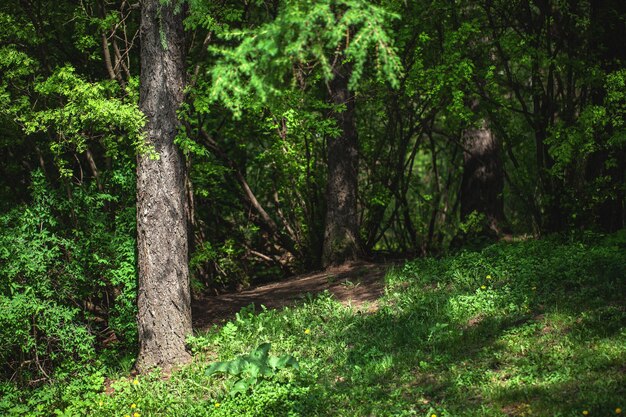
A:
{"points": [[531, 328]]}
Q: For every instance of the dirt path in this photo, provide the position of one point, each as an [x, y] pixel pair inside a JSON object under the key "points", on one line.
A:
{"points": [[357, 284]]}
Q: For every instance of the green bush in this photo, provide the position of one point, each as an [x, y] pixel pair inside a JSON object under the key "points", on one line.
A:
{"points": [[67, 278]]}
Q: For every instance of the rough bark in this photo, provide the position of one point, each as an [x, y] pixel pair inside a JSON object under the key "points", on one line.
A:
{"points": [[341, 242], [164, 316], [483, 180]]}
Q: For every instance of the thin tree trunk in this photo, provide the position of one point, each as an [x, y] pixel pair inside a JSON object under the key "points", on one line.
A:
{"points": [[341, 242], [164, 305]]}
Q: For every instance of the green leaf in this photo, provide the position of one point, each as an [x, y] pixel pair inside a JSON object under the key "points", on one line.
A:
{"points": [[233, 367], [261, 352], [281, 362], [242, 386]]}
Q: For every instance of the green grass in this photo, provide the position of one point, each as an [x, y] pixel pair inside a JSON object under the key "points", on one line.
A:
{"points": [[534, 328]]}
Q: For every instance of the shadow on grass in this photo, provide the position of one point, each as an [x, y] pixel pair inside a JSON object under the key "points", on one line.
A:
{"points": [[556, 347]]}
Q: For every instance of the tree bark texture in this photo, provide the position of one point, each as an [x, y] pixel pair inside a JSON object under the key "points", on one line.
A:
{"points": [[164, 304], [341, 242], [482, 184]]}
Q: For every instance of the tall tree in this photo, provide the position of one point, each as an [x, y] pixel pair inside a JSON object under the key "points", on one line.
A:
{"points": [[340, 43], [164, 315], [341, 233]]}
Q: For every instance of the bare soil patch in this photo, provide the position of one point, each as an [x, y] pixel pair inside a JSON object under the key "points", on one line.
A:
{"points": [[357, 284]]}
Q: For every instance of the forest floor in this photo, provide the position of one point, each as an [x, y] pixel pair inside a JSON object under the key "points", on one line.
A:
{"points": [[514, 329], [359, 285]]}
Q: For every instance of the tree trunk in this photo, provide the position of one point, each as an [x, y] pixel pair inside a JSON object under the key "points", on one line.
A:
{"points": [[483, 181], [164, 305], [341, 242]]}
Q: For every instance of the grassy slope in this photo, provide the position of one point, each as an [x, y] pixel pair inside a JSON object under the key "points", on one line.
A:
{"points": [[530, 328]]}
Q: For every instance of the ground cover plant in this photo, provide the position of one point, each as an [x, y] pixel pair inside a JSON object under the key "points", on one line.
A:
{"points": [[535, 327]]}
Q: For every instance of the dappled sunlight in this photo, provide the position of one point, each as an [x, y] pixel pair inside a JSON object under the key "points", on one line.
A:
{"points": [[484, 333]]}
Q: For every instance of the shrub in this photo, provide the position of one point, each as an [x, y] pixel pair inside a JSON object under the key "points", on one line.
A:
{"points": [[67, 279]]}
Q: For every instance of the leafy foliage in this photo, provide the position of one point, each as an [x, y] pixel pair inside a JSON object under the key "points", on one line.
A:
{"points": [[252, 367], [64, 287], [86, 110], [303, 34]]}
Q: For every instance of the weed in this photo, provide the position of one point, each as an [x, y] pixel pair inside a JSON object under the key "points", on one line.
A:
{"points": [[252, 368]]}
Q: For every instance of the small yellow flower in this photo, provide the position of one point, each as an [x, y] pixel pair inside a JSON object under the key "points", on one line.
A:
{"points": [[133, 406], [618, 410], [135, 381], [482, 287], [135, 414], [217, 405], [307, 331], [126, 415], [585, 413], [433, 415], [488, 276]]}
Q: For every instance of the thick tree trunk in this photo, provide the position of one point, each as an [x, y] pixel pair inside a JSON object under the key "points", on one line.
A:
{"points": [[483, 181], [164, 316], [341, 242]]}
